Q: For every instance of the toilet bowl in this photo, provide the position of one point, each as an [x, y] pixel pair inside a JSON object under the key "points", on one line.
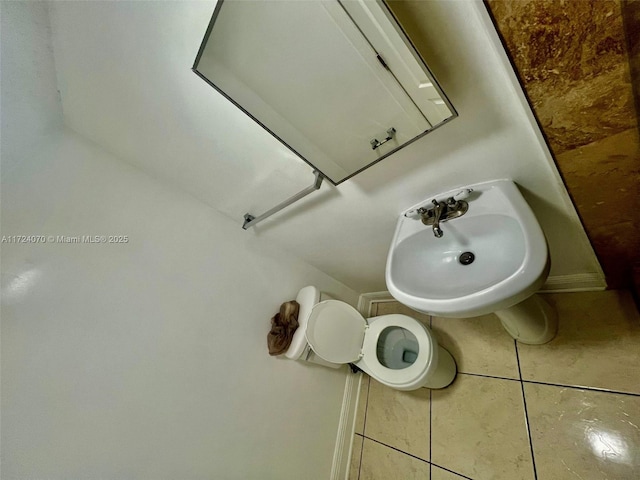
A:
{"points": [[396, 350]]}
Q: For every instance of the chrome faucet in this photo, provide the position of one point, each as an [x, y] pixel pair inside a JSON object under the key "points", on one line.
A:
{"points": [[443, 211]]}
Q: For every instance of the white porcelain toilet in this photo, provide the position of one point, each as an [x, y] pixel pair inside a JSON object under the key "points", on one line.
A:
{"points": [[395, 350]]}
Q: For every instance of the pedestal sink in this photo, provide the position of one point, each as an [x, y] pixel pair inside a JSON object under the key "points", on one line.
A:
{"points": [[493, 258]]}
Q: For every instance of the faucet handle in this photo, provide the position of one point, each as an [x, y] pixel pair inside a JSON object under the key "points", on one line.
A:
{"points": [[462, 194], [425, 211]]}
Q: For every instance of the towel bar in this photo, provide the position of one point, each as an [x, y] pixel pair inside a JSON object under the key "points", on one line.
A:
{"points": [[250, 220]]}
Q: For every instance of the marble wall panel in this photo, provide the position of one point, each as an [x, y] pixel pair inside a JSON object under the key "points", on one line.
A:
{"points": [[575, 60], [631, 18]]}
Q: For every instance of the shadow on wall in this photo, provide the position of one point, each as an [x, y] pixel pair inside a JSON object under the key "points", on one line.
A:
{"points": [[555, 215], [631, 20]]}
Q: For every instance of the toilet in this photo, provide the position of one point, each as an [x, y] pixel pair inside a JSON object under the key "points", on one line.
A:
{"points": [[396, 350]]}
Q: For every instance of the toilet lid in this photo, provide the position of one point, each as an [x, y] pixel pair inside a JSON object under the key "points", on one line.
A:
{"points": [[335, 331]]}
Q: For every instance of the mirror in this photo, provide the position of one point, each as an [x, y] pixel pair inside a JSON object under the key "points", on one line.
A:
{"points": [[337, 82]]}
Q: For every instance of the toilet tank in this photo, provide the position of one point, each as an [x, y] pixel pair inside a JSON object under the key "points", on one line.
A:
{"points": [[299, 348]]}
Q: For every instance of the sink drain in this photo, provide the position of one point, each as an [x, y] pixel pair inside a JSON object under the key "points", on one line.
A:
{"points": [[466, 258]]}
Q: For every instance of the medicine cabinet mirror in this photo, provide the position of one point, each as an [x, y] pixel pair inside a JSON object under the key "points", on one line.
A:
{"points": [[338, 82]]}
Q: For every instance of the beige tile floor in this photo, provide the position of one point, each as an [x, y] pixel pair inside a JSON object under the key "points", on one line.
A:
{"points": [[566, 410]]}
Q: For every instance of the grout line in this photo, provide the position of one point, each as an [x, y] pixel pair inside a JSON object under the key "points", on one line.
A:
{"points": [[488, 376], [526, 413], [451, 471], [536, 382], [364, 426], [515, 346], [417, 458], [361, 455], [397, 449], [366, 405], [593, 389]]}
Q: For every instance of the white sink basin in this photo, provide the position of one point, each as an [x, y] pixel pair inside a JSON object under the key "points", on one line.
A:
{"points": [[510, 264]]}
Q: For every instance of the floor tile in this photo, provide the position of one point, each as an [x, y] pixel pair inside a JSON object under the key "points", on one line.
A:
{"points": [[584, 434], [479, 430], [479, 345], [441, 474], [386, 308], [399, 419], [384, 463], [356, 454], [362, 404], [598, 343]]}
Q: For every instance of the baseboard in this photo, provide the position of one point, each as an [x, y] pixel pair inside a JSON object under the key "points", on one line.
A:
{"points": [[578, 282], [366, 300], [346, 427]]}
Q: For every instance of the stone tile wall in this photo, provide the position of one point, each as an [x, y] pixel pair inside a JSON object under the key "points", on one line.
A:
{"points": [[631, 17], [576, 65]]}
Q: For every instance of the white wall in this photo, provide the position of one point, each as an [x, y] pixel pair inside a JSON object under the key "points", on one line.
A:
{"points": [[30, 105], [124, 74], [146, 359]]}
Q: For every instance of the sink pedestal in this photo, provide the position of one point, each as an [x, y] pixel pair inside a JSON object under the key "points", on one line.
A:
{"points": [[531, 321]]}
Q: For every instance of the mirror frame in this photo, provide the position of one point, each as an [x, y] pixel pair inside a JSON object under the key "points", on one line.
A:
{"points": [[410, 44]]}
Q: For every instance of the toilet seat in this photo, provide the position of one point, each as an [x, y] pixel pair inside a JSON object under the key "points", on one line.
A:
{"points": [[405, 377], [338, 333]]}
